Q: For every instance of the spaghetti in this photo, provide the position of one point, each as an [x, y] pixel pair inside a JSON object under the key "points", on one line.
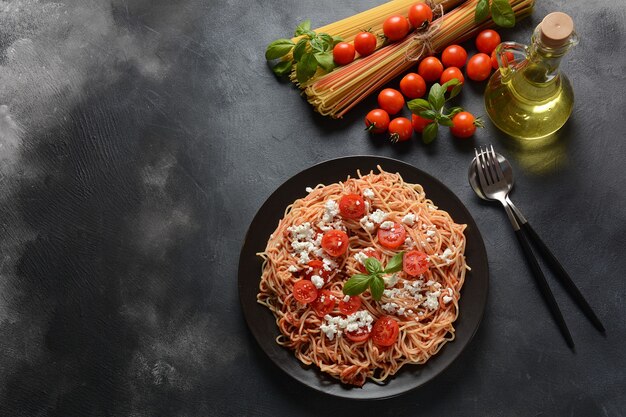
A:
{"points": [[326, 332]]}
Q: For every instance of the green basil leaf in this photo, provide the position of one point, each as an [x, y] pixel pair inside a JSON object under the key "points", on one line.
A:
{"points": [[373, 266], [303, 28], [325, 60], [327, 41], [430, 132], [502, 13], [450, 83], [306, 67], [445, 121], [282, 68], [317, 45], [429, 114], [336, 40], [395, 263], [436, 96], [278, 48], [454, 110], [482, 11], [299, 49], [455, 91], [377, 286], [356, 284], [418, 105]]}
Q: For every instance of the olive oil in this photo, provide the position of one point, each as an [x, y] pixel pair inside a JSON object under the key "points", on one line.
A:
{"points": [[530, 98]]}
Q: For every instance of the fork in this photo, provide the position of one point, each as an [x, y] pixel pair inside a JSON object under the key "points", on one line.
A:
{"points": [[495, 186]]}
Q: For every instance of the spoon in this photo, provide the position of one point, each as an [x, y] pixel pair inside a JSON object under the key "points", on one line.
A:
{"points": [[550, 259]]}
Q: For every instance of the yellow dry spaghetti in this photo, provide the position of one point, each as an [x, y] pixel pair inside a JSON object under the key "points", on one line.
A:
{"points": [[425, 307]]}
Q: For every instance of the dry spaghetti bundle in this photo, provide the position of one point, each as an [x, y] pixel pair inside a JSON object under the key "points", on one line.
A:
{"points": [[335, 93], [424, 307]]}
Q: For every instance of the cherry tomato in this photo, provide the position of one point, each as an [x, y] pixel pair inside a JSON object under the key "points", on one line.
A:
{"points": [[393, 237], [396, 27], [414, 263], [420, 13], [365, 43], [385, 331], [494, 61], [351, 306], [487, 40], [413, 85], [430, 69], [377, 121], [335, 242], [454, 56], [316, 267], [371, 253], [343, 53], [304, 291], [324, 304], [351, 206], [463, 125], [479, 67], [390, 100], [400, 129], [449, 74], [358, 335], [419, 123]]}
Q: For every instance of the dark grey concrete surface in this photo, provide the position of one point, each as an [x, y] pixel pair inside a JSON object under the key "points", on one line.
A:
{"points": [[138, 139]]}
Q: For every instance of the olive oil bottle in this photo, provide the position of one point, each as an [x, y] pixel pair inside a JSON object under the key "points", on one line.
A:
{"points": [[528, 97]]}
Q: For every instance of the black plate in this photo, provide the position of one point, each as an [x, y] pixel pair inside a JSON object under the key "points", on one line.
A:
{"points": [[262, 322]]}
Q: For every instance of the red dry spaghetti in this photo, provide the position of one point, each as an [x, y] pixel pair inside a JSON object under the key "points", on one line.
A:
{"points": [[328, 332]]}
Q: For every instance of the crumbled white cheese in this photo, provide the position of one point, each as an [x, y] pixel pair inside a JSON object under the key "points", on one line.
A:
{"points": [[317, 281], [361, 257], [390, 308], [401, 311], [409, 219], [329, 329], [305, 241], [391, 280], [386, 225], [362, 319], [378, 216], [292, 268], [368, 193], [331, 209], [430, 233], [445, 256], [432, 300], [367, 206], [367, 225], [346, 299], [408, 242], [309, 189], [446, 299]]}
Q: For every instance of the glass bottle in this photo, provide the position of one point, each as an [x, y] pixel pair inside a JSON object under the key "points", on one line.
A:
{"points": [[528, 97]]}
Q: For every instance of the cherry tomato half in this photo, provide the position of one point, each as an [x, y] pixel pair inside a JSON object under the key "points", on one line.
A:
{"points": [[450, 74], [365, 43], [393, 237], [359, 335], [390, 100], [454, 56], [419, 123], [351, 206], [415, 263], [351, 306], [343, 53], [385, 331], [377, 121], [487, 40], [304, 291], [420, 13], [463, 125], [430, 69], [400, 129], [479, 67], [335, 242], [316, 267], [509, 57], [396, 27], [324, 304], [413, 85], [371, 253]]}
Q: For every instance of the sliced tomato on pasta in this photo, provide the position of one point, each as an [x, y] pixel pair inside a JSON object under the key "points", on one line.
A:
{"points": [[304, 291], [358, 335], [324, 304], [371, 253], [352, 206], [351, 306], [392, 237], [385, 331], [335, 242], [316, 267], [415, 262]]}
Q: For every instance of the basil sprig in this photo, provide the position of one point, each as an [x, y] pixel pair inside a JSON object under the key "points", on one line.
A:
{"points": [[501, 12], [434, 108], [312, 50], [374, 278]]}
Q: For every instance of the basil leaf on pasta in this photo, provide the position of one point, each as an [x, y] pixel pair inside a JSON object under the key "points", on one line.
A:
{"points": [[377, 286], [373, 266], [357, 284], [395, 263]]}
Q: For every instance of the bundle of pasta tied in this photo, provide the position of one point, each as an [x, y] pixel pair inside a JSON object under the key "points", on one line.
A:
{"points": [[334, 90]]}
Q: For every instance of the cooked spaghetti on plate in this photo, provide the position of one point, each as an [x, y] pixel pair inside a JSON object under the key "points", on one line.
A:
{"points": [[364, 276]]}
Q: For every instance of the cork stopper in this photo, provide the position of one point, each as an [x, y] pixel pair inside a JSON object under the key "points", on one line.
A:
{"points": [[556, 29]]}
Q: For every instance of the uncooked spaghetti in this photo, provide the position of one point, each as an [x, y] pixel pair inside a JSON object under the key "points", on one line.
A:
{"points": [[341, 334]]}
